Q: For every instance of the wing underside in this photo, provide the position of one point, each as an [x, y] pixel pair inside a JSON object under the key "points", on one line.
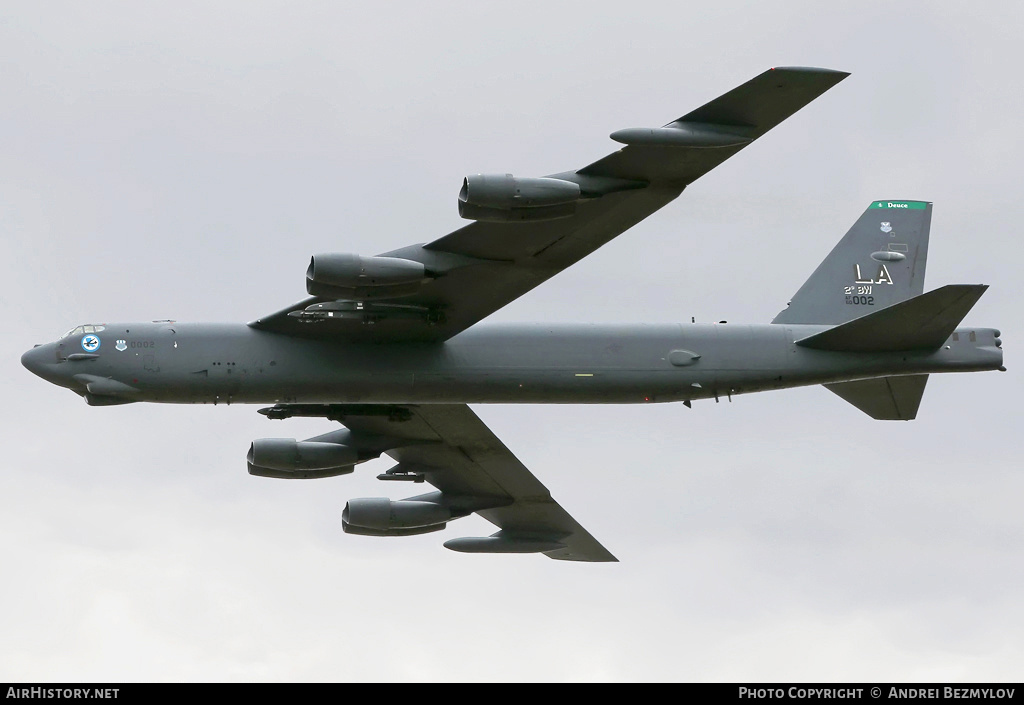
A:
{"points": [[483, 266], [448, 446]]}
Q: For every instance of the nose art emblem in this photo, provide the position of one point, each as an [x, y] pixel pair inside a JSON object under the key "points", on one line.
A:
{"points": [[91, 343], [121, 346]]}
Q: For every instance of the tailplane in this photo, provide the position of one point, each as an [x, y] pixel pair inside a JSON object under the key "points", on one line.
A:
{"points": [[924, 322], [878, 263], [884, 398], [921, 323]]}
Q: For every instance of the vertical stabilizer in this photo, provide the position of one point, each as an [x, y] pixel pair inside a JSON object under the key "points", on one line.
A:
{"points": [[879, 262]]}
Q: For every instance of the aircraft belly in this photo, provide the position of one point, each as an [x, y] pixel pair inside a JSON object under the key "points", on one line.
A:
{"points": [[502, 364], [529, 364], [537, 386]]}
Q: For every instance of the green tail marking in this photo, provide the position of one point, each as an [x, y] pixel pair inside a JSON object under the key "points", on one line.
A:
{"points": [[909, 205]]}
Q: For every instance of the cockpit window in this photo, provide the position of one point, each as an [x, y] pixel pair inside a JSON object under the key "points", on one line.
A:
{"points": [[82, 330]]}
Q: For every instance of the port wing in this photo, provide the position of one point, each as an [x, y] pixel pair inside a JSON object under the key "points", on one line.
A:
{"points": [[481, 267]]}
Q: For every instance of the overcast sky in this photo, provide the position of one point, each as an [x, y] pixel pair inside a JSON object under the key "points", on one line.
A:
{"points": [[182, 161]]}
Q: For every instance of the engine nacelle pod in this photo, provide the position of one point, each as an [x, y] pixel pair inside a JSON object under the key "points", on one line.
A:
{"points": [[383, 514], [505, 198], [288, 458], [356, 277]]}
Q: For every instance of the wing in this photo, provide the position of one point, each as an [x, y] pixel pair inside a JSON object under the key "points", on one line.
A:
{"points": [[478, 269], [449, 446]]}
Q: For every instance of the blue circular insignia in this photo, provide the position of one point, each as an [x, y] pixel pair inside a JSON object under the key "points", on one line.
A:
{"points": [[91, 343]]}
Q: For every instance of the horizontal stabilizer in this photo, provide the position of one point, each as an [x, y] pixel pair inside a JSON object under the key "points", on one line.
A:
{"points": [[924, 322], [884, 398]]}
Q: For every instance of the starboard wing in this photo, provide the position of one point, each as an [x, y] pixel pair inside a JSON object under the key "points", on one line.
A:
{"points": [[453, 450]]}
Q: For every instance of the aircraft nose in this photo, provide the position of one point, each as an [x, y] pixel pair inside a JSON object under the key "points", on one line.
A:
{"points": [[37, 360]]}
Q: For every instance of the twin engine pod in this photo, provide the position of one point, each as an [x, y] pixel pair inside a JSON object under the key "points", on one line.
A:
{"points": [[380, 516], [290, 459], [504, 198], [354, 277]]}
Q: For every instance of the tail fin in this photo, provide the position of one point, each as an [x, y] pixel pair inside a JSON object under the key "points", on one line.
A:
{"points": [[880, 262]]}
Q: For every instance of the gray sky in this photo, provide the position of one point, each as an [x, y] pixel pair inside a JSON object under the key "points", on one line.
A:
{"points": [[181, 161]]}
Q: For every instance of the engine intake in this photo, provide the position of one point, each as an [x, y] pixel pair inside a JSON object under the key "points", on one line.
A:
{"points": [[335, 275], [505, 198], [288, 458]]}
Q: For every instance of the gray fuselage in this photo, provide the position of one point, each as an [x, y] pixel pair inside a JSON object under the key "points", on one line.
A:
{"points": [[583, 364]]}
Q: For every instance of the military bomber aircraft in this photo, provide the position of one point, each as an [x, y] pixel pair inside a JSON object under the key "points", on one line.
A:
{"points": [[387, 345]]}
